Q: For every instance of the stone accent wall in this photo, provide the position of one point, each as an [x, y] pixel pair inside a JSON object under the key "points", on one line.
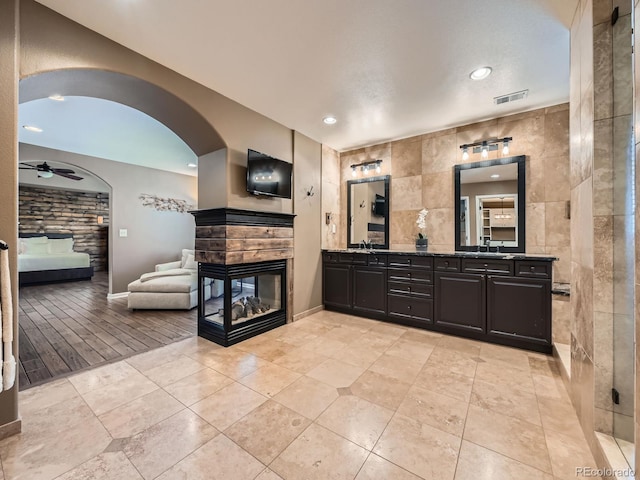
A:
{"points": [[331, 199], [47, 210]]}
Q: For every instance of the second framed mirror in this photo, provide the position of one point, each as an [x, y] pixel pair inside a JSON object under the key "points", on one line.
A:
{"points": [[368, 212]]}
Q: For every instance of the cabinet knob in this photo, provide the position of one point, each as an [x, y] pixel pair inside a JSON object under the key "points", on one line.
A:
{"points": [[532, 269], [409, 307], [408, 289], [446, 264], [485, 265]]}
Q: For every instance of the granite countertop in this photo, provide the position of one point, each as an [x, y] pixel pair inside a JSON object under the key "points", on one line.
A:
{"points": [[496, 255]]}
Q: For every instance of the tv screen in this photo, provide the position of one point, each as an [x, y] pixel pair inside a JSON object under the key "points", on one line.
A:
{"points": [[379, 206], [267, 175]]}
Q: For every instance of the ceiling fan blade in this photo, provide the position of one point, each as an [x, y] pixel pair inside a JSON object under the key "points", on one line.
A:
{"points": [[68, 175], [62, 170], [26, 166]]}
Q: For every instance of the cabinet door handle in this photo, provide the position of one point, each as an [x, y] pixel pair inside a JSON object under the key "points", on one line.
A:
{"points": [[409, 307], [409, 289]]}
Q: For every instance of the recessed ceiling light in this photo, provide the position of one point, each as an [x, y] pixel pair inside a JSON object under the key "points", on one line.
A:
{"points": [[56, 97], [192, 165], [329, 120], [31, 128], [495, 175], [480, 73]]}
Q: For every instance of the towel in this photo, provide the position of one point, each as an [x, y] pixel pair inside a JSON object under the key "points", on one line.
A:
{"points": [[6, 317]]}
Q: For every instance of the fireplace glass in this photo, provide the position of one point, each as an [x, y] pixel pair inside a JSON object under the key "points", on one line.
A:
{"points": [[240, 302]]}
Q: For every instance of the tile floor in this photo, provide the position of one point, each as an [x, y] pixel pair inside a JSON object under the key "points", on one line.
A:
{"points": [[328, 397]]}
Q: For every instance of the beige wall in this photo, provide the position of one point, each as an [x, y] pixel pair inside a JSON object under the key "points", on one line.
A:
{"points": [[53, 42], [9, 61], [307, 261]]}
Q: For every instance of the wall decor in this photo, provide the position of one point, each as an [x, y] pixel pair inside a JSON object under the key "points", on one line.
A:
{"points": [[165, 204]]}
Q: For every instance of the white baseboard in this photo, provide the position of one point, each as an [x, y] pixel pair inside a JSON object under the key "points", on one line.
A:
{"points": [[306, 313], [113, 296]]}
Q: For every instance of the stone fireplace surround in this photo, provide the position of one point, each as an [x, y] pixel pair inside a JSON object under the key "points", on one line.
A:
{"points": [[232, 244]]}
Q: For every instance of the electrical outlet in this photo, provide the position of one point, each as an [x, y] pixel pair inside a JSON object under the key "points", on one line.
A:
{"points": [[327, 218]]}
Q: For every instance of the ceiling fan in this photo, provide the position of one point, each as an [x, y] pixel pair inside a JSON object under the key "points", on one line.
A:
{"points": [[45, 171]]}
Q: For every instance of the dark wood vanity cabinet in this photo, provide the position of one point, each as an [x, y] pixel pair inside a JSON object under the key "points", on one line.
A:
{"points": [[505, 301], [530, 298], [355, 282], [410, 289], [461, 301]]}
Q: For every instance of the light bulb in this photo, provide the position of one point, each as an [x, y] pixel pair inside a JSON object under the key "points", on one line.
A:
{"points": [[366, 169], [465, 153], [505, 148], [378, 168], [485, 151], [353, 172]]}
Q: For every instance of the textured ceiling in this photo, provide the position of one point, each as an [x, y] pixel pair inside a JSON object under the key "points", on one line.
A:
{"points": [[386, 69]]}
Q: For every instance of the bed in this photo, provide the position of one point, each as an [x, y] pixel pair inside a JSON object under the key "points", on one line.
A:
{"points": [[49, 257]]}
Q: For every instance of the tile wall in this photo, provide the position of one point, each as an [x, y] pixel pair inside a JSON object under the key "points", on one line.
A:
{"points": [[421, 170]]}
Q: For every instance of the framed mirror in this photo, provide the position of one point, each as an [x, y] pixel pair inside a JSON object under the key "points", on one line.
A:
{"points": [[490, 205], [368, 212]]}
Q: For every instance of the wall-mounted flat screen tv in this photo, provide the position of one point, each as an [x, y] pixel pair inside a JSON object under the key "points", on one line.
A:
{"points": [[379, 206], [267, 175]]}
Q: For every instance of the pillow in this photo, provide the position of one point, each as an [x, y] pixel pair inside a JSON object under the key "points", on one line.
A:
{"points": [[61, 245], [190, 263], [35, 240], [36, 248], [185, 253]]}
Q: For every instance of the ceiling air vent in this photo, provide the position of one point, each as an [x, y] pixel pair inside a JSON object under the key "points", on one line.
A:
{"points": [[512, 97]]}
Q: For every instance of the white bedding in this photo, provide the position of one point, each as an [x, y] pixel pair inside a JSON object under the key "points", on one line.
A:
{"points": [[52, 261]]}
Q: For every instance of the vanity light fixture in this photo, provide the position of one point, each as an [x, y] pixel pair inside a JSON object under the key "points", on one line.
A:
{"points": [[485, 150], [330, 120], [366, 167], [505, 146], [485, 146]]}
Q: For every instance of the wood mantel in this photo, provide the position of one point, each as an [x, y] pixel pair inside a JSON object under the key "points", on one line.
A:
{"points": [[232, 236]]}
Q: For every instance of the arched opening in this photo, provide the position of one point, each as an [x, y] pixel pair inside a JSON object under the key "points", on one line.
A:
{"points": [[133, 241]]}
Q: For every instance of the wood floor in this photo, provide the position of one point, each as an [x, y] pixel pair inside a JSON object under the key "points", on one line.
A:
{"points": [[66, 327]]}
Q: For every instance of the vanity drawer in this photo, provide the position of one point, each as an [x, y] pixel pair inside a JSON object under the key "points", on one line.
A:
{"points": [[533, 269], [487, 265], [409, 275], [411, 261], [413, 289], [376, 260], [353, 258], [447, 264], [410, 308]]}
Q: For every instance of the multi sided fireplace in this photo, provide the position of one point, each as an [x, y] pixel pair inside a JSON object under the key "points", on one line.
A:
{"points": [[252, 300], [244, 257]]}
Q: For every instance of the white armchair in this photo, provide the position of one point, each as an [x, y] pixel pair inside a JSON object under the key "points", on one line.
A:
{"points": [[172, 286]]}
